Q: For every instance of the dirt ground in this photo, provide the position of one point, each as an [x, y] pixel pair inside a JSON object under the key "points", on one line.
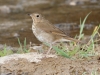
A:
{"points": [[52, 66]]}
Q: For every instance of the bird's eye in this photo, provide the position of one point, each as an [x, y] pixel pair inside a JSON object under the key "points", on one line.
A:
{"points": [[37, 16]]}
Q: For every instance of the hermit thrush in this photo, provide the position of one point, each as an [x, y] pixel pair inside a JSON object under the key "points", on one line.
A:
{"points": [[46, 32]]}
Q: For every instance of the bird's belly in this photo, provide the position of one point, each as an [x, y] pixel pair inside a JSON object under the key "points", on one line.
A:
{"points": [[42, 36]]}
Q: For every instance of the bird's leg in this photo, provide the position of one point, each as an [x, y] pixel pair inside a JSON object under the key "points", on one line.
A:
{"points": [[49, 49]]}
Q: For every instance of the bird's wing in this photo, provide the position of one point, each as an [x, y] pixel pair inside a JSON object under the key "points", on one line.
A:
{"points": [[49, 28]]}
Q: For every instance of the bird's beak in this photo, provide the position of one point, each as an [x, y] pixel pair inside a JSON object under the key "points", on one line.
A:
{"points": [[29, 14]]}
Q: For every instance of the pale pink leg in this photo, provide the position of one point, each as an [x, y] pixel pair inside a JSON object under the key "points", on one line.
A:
{"points": [[49, 49]]}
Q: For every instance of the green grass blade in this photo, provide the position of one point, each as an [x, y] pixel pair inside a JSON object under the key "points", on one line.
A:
{"points": [[19, 42], [25, 50], [20, 49], [61, 52], [5, 50], [73, 52], [82, 26]]}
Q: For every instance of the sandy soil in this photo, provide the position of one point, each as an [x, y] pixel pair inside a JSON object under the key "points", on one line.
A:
{"points": [[51, 66]]}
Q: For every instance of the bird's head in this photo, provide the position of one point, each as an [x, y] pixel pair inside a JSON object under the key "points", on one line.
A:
{"points": [[36, 17]]}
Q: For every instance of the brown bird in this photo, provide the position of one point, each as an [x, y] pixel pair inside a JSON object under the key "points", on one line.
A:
{"points": [[46, 32]]}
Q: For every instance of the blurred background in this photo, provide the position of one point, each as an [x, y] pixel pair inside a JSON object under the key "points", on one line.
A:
{"points": [[64, 14]]}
